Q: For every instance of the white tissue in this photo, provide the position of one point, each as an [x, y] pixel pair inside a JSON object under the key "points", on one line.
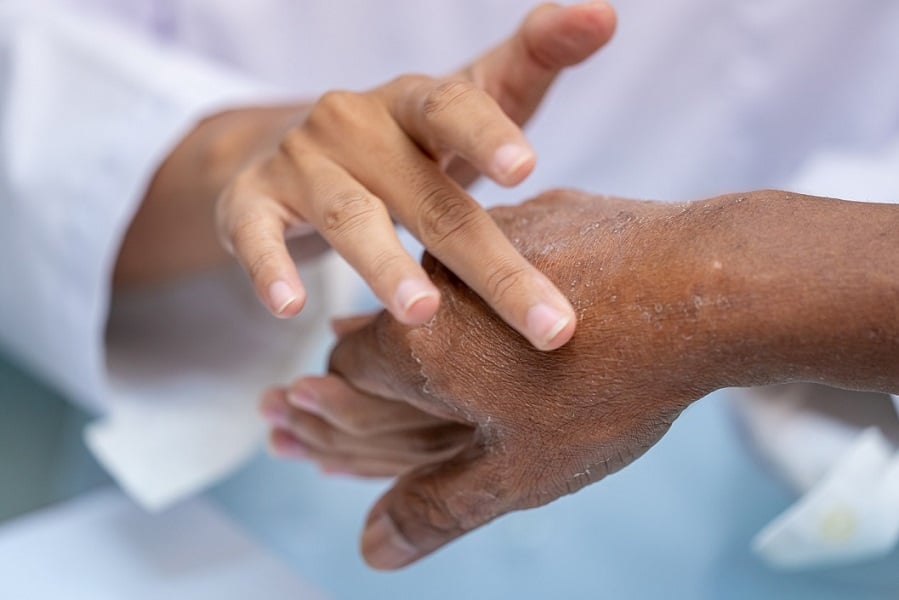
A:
{"points": [[851, 515]]}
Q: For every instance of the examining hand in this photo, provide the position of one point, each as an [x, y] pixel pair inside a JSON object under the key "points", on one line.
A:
{"points": [[405, 151], [674, 301]]}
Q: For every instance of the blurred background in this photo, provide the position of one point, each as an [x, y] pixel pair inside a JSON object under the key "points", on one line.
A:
{"points": [[693, 98], [677, 524]]}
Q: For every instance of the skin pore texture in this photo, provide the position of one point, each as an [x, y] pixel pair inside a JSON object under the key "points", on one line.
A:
{"points": [[673, 301]]}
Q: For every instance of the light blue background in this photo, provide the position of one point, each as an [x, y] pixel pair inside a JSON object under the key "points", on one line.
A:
{"points": [[675, 525]]}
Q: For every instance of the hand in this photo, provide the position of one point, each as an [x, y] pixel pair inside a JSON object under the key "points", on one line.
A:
{"points": [[404, 151], [674, 302], [356, 434], [546, 424]]}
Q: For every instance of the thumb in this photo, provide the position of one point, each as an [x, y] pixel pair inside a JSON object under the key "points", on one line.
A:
{"points": [[432, 506], [518, 72]]}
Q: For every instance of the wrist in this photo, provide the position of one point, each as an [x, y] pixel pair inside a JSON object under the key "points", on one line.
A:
{"points": [[803, 289]]}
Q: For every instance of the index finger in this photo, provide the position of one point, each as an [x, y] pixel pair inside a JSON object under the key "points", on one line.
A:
{"points": [[462, 235]]}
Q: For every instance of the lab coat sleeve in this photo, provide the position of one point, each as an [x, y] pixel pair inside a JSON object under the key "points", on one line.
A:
{"points": [[88, 110]]}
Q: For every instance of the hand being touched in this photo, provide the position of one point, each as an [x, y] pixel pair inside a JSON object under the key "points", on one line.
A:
{"points": [[545, 424], [674, 301]]}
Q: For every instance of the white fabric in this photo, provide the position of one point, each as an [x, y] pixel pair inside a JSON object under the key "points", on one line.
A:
{"points": [[101, 546], [693, 98], [850, 515], [88, 112]]}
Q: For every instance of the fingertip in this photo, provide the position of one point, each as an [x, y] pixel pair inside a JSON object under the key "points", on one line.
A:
{"points": [[549, 328], [416, 301], [282, 444], [422, 310], [564, 332], [272, 408], [605, 19], [512, 163], [567, 35], [284, 300]]}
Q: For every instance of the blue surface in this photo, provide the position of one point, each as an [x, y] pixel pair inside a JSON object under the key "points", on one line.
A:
{"points": [[675, 525], [42, 457]]}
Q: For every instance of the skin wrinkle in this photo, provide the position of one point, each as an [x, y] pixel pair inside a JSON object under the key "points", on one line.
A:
{"points": [[494, 365]]}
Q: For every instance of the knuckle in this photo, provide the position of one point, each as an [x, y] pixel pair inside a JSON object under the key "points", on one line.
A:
{"points": [[251, 243], [431, 442], [443, 214], [336, 108], [431, 515], [446, 95], [244, 230], [347, 211], [293, 147], [440, 512], [503, 279], [335, 103], [384, 264], [408, 81], [262, 259]]}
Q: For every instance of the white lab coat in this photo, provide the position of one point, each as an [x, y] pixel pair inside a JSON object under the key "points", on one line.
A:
{"points": [[692, 98]]}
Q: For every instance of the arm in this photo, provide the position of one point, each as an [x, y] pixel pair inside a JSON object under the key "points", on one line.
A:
{"points": [[674, 301], [811, 290]]}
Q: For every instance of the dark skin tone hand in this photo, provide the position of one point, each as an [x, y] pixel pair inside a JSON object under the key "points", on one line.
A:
{"points": [[674, 301]]}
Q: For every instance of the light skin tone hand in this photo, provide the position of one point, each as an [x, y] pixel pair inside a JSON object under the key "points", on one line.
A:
{"points": [[350, 163], [674, 301]]}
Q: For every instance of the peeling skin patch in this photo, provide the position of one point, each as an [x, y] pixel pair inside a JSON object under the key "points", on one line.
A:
{"points": [[413, 338]]}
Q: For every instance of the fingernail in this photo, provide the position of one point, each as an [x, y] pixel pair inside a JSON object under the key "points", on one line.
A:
{"points": [[410, 293], [280, 296], [384, 546], [304, 400], [274, 414], [510, 158], [287, 446], [545, 323]]}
